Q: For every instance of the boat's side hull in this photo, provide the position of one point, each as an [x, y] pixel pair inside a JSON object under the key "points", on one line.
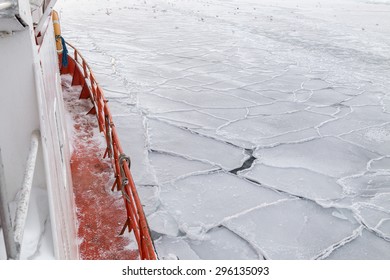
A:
{"points": [[56, 151]]}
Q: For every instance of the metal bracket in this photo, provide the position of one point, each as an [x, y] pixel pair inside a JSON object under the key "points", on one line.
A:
{"points": [[122, 158]]}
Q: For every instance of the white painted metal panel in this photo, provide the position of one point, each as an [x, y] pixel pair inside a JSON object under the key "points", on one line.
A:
{"points": [[56, 151]]}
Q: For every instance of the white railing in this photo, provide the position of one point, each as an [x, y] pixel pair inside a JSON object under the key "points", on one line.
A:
{"points": [[5, 217], [22, 209], [46, 14], [13, 235]]}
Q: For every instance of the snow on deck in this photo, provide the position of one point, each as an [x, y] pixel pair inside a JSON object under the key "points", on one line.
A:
{"points": [[257, 129], [100, 213]]}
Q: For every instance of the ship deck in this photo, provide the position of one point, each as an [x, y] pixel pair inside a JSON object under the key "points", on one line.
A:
{"points": [[100, 211]]}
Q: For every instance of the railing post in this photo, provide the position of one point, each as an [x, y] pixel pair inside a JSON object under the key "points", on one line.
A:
{"points": [[85, 69], [22, 209], [5, 217]]}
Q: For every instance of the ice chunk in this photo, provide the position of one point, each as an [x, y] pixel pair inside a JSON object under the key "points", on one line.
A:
{"points": [[375, 218], [290, 137], [227, 114], [143, 75], [315, 84], [222, 244], [380, 201], [273, 94], [381, 164], [169, 167], [329, 156], [174, 247], [325, 110], [192, 119], [258, 76], [242, 143], [342, 112], [162, 222], [293, 229], [374, 138], [254, 97], [367, 185], [256, 128], [364, 99], [202, 201], [302, 95], [121, 107], [132, 135], [281, 107], [350, 91], [223, 86], [204, 98], [284, 82], [367, 246], [202, 78], [168, 138], [179, 82], [150, 197], [296, 181], [327, 96], [361, 117], [156, 104], [386, 104], [384, 226]]}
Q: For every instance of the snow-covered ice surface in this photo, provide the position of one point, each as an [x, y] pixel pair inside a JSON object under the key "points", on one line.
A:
{"points": [[257, 129]]}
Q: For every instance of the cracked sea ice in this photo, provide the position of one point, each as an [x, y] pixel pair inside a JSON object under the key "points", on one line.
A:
{"points": [[278, 87]]}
